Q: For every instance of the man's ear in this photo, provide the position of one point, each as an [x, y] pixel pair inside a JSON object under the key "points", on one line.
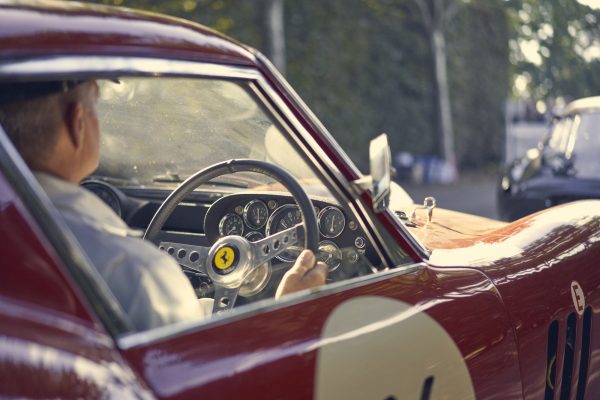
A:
{"points": [[75, 124]]}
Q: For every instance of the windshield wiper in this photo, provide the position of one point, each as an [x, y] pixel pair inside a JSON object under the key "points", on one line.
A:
{"points": [[175, 178], [169, 177]]}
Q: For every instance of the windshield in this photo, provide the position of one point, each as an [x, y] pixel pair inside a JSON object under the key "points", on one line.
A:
{"points": [[161, 130], [559, 136], [586, 144]]}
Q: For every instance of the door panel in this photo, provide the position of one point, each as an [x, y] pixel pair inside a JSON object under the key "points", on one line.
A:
{"points": [[282, 352]]}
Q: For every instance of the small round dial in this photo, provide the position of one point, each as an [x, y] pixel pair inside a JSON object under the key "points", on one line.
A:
{"points": [[256, 214], [330, 254], [331, 222], [254, 236], [231, 224]]}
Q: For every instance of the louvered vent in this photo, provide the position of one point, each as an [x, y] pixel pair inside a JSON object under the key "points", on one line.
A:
{"points": [[570, 357], [584, 362], [567, 371], [551, 360]]}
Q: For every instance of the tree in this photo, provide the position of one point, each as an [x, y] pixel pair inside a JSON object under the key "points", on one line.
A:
{"points": [[275, 22], [436, 15], [555, 49]]}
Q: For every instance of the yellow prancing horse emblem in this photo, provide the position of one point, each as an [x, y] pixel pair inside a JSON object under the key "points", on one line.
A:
{"points": [[224, 258]]}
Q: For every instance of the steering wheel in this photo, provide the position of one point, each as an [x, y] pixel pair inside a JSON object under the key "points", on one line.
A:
{"points": [[231, 259]]}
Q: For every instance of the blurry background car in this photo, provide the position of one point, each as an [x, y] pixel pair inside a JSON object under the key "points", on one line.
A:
{"points": [[564, 167]]}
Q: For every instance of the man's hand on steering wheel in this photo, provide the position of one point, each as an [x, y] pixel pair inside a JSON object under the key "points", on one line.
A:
{"points": [[305, 274]]}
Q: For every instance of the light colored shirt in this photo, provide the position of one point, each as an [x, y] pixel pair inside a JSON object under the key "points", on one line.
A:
{"points": [[148, 284]]}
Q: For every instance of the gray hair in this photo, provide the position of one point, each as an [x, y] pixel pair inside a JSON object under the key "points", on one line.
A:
{"points": [[33, 125]]}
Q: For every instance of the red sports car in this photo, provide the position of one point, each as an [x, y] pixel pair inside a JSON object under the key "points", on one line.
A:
{"points": [[205, 147]]}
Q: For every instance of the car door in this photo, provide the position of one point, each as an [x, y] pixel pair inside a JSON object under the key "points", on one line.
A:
{"points": [[413, 332]]}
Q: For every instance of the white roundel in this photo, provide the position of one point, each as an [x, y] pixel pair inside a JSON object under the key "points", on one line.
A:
{"points": [[578, 297], [380, 348]]}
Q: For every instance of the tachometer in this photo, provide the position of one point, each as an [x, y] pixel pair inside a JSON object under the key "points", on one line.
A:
{"points": [[231, 224], [256, 214], [331, 222], [283, 218]]}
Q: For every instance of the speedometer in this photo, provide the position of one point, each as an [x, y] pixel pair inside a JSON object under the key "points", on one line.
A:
{"points": [[283, 218]]}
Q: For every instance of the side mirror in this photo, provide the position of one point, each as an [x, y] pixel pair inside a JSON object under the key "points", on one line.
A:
{"points": [[378, 181]]}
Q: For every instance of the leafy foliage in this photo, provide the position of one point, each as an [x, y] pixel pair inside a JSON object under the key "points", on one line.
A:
{"points": [[365, 67], [555, 45]]}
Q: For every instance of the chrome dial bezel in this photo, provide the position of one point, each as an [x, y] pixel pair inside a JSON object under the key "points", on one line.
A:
{"points": [[224, 219], [247, 209], [321, 216]]}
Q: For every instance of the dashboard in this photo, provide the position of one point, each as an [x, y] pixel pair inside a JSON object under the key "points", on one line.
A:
{"points": [[257, 215], [205, 216]]}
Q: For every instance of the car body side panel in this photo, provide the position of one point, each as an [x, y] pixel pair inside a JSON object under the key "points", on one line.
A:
{"points": [[275, 354], [534, 266], [50, 345]]}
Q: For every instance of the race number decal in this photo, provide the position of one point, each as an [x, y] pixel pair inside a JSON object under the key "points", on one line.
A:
{"points": [[578, 297], [383, 349]]}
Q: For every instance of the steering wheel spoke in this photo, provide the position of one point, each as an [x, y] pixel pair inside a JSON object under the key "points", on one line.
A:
{"points": [[224, 298], [187, 255], [273, 245]]}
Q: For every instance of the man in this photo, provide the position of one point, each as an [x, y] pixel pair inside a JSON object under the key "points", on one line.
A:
{"points": [[55, 128]]}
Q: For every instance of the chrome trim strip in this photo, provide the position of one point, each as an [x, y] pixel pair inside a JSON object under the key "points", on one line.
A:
{"points": [[130, 341], [110, 66]]}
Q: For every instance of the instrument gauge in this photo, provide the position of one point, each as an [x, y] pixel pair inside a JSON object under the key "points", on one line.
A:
{"points": [[331, 222], [256, 214], [231, 224], [283, 218], [330, 254]]}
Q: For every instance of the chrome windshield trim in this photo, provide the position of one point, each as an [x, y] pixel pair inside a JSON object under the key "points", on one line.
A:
{"points": [[111, 66], [137, 339]]}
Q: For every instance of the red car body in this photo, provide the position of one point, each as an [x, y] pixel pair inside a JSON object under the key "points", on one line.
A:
{"points": [[513, 314]]}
